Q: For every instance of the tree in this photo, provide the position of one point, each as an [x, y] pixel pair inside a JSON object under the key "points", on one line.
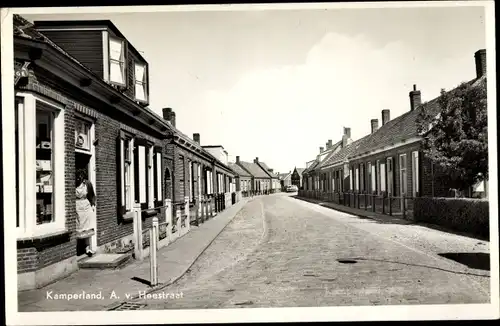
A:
{"points": [[455, 134]]}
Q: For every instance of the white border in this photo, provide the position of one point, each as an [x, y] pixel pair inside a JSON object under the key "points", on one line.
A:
{"points": [[427, 312]]}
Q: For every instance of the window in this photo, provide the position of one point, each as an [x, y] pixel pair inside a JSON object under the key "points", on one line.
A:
{"points": [[382, 177], [362, 177], [415, 175], [157, 169], [378, 180], [191, 185], [402, 174], [82, 135], [39, 142], [127, 177], [357, 179], [117, 66], [350, 180], [140, 82], [373, 174], [150, 175], [390, 175]]}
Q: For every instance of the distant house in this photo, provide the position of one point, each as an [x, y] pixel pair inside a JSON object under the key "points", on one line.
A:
{"points": [[390, 160], [260, 179], [314, 179], [274, 180], [243, 179], [296, 177], [285, 179]]}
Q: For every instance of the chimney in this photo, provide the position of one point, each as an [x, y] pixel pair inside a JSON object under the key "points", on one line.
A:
{"points": [[386, 116], [480, 57], [415, 98], [166, 113], [374, 125], [347, 132], [196, 137], [329, 144], [172, 118], [256, 160], [271, 170], [321, 149], [238, 159]]}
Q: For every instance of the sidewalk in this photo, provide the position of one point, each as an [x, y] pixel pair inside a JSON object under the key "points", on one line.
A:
{"points": [[381, 218], [114, 285]]}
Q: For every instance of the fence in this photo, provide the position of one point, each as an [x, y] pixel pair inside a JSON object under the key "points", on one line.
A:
{"points": [[383, 203]]}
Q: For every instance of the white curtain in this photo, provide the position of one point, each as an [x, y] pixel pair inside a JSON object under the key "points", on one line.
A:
{"points": [[140, 85], [116, 55]]}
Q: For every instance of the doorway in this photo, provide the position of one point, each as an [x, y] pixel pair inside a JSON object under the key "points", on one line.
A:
{"points": [[85, 167]]}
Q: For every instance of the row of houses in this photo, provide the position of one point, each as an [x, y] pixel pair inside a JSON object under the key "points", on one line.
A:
{"points": [[81, 111], [387, 161], [292, 178]]}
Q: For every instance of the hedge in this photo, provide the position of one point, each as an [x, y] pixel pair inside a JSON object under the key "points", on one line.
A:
{"points": [[459, 214]]}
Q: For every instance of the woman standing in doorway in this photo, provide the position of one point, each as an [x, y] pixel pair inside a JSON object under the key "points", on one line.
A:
{"points": [[85, 208]]}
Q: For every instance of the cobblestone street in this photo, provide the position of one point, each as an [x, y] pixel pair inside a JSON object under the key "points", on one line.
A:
{"points": [[283, 252]]}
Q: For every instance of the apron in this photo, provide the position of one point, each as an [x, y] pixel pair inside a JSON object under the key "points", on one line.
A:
{"points": [[83, 210]]}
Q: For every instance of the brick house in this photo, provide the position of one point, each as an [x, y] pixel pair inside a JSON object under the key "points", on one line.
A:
{"points": [[296, 177], [84, 111], [274, 185], [315, 179], [225, 181], [243, 180], [390, 160], [261, 181]]}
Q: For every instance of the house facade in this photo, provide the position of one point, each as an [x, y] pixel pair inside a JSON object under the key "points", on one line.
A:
{"points": [[389, 161], [86, 112], [87, 121], [274, 184], [296, 177], [261, 181], [285, 180], [243, 180]]}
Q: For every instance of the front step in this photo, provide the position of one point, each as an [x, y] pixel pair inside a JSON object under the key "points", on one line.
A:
{"points": [[105, 261]]}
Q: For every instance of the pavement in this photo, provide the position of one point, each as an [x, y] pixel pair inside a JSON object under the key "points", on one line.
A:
{"points": [[113, 287], [283, 252]]}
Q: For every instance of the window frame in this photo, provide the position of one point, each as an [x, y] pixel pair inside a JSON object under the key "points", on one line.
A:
{"points": [[123, 64], [415, 173], [401, 179], [26, 204], [144, 82], [390, 175]]}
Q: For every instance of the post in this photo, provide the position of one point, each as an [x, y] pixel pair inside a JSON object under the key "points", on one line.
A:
{"points": [[168, 217], [153, 243], [197, 212], [366, 201], [138, 232], [374, 196], [178, 221], [404, 205], [390, 204], [187, 212], [383, 203]]}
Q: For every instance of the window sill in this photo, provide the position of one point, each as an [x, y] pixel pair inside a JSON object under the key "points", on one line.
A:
{"points": [[49, 236], [129, 216]]}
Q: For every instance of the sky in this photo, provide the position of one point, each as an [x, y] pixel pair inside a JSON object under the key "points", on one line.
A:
{"points": [[278, 84]]}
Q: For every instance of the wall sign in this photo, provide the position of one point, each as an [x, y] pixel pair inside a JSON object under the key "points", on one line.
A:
{"points": [[20, 71]]}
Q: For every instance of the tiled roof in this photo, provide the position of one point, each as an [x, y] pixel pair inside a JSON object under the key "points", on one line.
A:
{"points": [[238, 170], [266, 168], [300, 171], [283, 176], [311, 167], [397, 130], [254, 169], [343, 153], [332, 152]]}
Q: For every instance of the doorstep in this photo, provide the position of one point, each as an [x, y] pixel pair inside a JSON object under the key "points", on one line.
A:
{"points": [[105, 261]]}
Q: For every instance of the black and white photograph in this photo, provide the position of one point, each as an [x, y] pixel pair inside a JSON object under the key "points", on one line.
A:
{"points": [[250, 163]]}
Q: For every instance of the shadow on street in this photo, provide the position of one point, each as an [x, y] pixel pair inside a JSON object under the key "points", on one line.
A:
{"points": [[476, 260]]}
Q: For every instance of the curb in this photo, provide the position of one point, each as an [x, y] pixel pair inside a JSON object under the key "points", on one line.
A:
{"points": [[349, 212], [115, 305]]}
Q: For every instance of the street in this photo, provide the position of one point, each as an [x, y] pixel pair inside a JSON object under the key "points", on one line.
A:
{"points": [[280, 251]]}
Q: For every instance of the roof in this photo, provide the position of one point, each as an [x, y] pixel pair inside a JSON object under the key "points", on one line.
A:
{"points": [[332, 152], [86, 23], [283, 176], [265, 167], [399, 129], [300, 171], [343, 153], [311, 167], [239, 170], [254, 170], [317, 164]]}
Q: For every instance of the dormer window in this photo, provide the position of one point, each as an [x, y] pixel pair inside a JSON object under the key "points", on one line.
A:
{"points": [[140, 82], [117, 61]]}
